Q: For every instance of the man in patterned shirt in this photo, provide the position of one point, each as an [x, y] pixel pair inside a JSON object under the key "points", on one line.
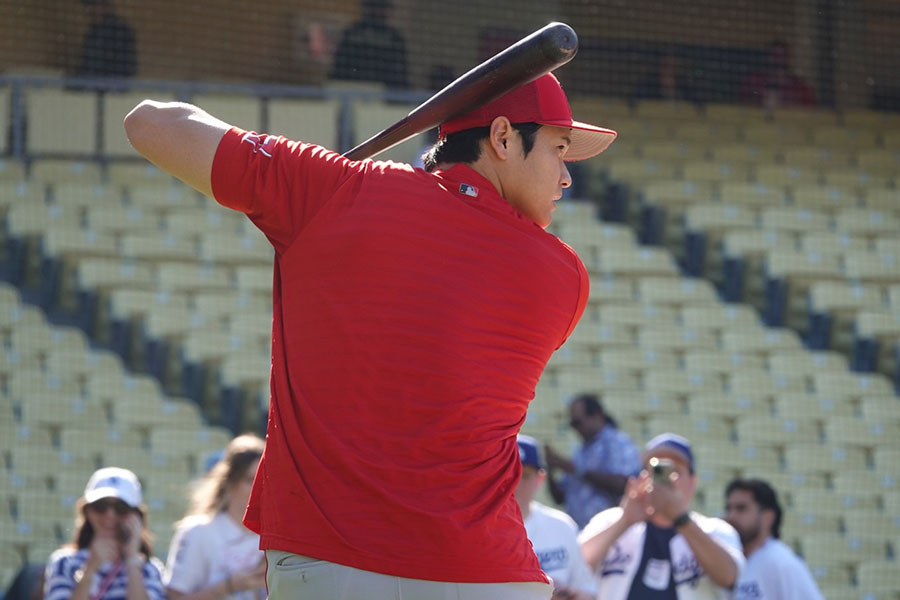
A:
{"points": [[594, 478]]}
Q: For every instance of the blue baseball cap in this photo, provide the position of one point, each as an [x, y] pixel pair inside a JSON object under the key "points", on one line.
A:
{"points": [[529, 452], [673, 444]]}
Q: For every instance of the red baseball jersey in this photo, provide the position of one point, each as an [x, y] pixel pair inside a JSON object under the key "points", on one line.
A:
{"points": [[413, 315]]}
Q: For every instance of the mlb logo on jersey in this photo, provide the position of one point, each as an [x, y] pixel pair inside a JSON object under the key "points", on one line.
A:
{"points": [[468, 190]]}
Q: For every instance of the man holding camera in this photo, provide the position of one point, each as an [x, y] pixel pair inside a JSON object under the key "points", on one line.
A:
{"points": [[653, 546]]}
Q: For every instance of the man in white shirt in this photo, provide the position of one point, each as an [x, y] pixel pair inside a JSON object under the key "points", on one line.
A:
{"points": [[552, 532], [653, 547], [773, 571]]}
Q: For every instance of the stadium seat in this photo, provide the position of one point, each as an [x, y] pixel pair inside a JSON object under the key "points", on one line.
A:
{"points": [[612, 289], [244, 111], [880, 409], [839, 548], [636, 171], [675, 338], [162, 198], [877, 335], [845, 137], [723, 363], [707, 171], [879, 161], [860, 221], [683, 292], [635, 360], [700, 430], [369, 117], [871, 523], [786, 175], [637, 262], [753, 195], [880, 576], [632, 315], [804, 361], [834, 502], [817, 157], [726, 455], [760, 339], [776, 134], [705, 224], [866, 485], [639, 405], [744, 153], [788, 275], [854, 177], [192, 277], [720, 316], [229, 249], [851, 384], [800, 405], [128, 174], [51, 111], [859, 432], [808, 456], [305, 119], [795, 220], [761, 381], [767, 429], [824, 198]]}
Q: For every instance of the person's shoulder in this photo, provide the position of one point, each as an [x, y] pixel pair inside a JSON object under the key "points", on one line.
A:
{"points": [[555, 515], [192, 524], [713, 524], [600, 522], [778, 554], [65, 553]]}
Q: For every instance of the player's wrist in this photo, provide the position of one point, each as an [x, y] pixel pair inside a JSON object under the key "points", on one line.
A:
{"points": [[681, 520]]}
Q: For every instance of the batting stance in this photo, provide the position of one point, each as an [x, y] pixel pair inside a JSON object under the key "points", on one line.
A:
{"points": [[414, 312]]}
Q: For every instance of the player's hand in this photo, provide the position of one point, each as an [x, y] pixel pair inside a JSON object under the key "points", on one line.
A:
{"points": [[635, 507], [133, 526], [102, 550], [554, 459], [667, 500], [249, 579]]}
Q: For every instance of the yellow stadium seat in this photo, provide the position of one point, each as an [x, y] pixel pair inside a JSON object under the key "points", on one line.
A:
{"points": [[875, 267], [817, 157], [637, 314], [761, 194], [68, 243], [717, 361], [725, 455], [807, 456], [786, 175], [369, 118], [128, 174], [120, 220], [152, 247], [709, 132], [599, 335], [227, 248], [33, 219], [715, 217], [882, 576], [826, 198], [676, 194], [635, 359], [734, 113], [639, 405], [879, 161], [800, 405], [870, 484], [880, 409], [716, 171], [779, 134], [834, 502], [860, 432], [641, 170], [61, 121], [85, 195], [871, 523], [766, 429], [305, 119], [637, 262], [244, 111], [760, 339], [845, 137], [839, 548], [761, 381], [11, 170], [115, 106], [675, 338], [700, 430], [866, 222], [829, 242], [107, 273], [612, 289], [856, 178], [744, 153], [793, 219], [63, 171], [187, 277], [851, 384], [197, 220], [720, 316], [162, 198], [197, 442]]}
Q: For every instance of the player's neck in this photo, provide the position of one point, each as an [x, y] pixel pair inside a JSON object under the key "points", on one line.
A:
{"points": [[754, 545]]}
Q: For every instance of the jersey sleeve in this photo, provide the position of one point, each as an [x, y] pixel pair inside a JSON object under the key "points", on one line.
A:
{"points": [[186, 569], [280, 184], [726, 536], [59, 579]]}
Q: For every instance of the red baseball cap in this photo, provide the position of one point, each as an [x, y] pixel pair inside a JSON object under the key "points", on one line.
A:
{"points": [[541, 101]]}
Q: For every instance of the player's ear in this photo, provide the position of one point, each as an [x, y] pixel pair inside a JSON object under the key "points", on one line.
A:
{"points": [[499, 137]]}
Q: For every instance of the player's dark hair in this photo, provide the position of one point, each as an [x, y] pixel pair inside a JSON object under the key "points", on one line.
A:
{"points": [[592, 406], [763, 494], [465, 146]]}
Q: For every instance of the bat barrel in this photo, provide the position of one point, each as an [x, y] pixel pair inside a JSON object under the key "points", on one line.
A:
{"points": [[531, 57]]}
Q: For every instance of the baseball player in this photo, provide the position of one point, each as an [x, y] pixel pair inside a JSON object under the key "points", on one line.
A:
{"points": [[552, 533], [773, 571], [414, 311]]}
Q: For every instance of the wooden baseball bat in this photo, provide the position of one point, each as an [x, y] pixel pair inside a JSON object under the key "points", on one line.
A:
{"points": [[544, 50]]}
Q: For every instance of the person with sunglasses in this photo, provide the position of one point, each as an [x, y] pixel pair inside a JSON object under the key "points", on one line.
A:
{"points": [[110, 556], [594, 478]]}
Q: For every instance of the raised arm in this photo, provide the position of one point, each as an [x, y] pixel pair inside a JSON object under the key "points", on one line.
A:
{"points": [[179, 138]]}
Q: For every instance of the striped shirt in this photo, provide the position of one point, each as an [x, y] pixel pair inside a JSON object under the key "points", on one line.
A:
{"points": [[65, 568]]}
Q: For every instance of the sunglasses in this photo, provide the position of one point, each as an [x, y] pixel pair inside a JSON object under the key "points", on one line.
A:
{"points": [[101, 506]]}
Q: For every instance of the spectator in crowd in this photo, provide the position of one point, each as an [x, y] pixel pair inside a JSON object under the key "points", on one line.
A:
{"points": [[595, 476], [776, 85], [414, 312], [213, 555], [667, 81], [108, 47], [773, 571], [653, 545], [552, 532], [371, 49], [110, 557]]}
